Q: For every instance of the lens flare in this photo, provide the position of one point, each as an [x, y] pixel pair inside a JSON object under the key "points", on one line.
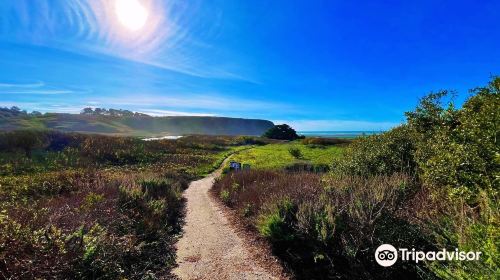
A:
{"points": [[131, 14]]}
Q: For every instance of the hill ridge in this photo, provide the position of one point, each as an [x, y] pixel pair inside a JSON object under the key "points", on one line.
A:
{"points": [[133, 125]]}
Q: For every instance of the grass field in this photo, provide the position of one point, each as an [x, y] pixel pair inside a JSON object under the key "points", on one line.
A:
{"points": [[277, 156]]}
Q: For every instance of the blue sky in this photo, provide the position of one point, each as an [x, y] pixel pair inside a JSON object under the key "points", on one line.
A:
{"points": [[318, 65]]}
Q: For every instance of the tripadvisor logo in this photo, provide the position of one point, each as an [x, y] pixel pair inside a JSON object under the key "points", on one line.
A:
{"points": [[387, 255]]}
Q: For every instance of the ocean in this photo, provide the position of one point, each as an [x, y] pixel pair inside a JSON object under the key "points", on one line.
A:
{"points": [[338, 134]]}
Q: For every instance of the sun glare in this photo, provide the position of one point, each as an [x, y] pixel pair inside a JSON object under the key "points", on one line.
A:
{"points": [[131, 14]]}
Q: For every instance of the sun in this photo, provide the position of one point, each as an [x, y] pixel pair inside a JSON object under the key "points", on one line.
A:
{"points": [[131, 14]]}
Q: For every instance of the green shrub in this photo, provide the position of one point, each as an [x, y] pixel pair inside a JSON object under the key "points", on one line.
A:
{"points": [[91, 200], [317, 221], [461, 154], [235, 187], [295, 152], [277, 223], [158, 203], [157, 188], [387, 153], [225, 196]]}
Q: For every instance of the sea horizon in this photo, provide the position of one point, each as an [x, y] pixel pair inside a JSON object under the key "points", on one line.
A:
{"points": [[339, 133]]}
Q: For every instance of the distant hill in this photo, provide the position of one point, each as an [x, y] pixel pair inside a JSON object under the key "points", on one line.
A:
{"points": [[119, 122]]}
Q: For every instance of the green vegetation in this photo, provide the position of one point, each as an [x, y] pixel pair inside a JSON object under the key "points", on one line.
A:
{"points": [[76, 206], [295, 152], [281, 132], [278, 156], [429, 184], [126, 123], [321, 141]]}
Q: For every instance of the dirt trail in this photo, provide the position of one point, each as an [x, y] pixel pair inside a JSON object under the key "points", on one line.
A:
{"points": [[210, 248]]}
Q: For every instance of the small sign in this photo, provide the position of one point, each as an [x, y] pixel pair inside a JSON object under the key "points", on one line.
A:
{"points": [[233, 165]]}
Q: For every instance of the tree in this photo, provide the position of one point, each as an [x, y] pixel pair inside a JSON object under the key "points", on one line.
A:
{"points": [[114, 112], [16, 111], [87, 111], [127, 113], [281, 132]]}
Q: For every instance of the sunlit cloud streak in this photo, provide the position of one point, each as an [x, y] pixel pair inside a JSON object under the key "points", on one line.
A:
{"points": [[22, 105], [196, 101], [163, 113], [36, 92], [38, 88], [22, 85], [60, 108]]}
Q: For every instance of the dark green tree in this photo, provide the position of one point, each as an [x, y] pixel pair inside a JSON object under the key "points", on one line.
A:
{"points": [[87, 111], [281, 132]]}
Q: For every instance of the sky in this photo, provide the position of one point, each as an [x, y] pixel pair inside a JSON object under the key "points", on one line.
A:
{"points": [[317, 65]]}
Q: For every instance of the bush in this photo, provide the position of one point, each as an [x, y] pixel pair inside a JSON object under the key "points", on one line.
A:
{"points": [[277, 223], [224, 196], [25, 140], [388, 153], [251, 140], [461, 154], [295, 152], [158, 202]]}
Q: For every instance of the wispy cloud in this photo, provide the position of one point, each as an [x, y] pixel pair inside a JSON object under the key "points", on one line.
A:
{"points": [[206, 102], [22, 105], [338, 125], [37, 92], [44, 107], [22, 85], [157, 112], [37, 88]]}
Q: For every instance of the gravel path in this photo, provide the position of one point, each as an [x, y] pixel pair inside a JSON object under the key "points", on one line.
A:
{"points": [[210, 248]]}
